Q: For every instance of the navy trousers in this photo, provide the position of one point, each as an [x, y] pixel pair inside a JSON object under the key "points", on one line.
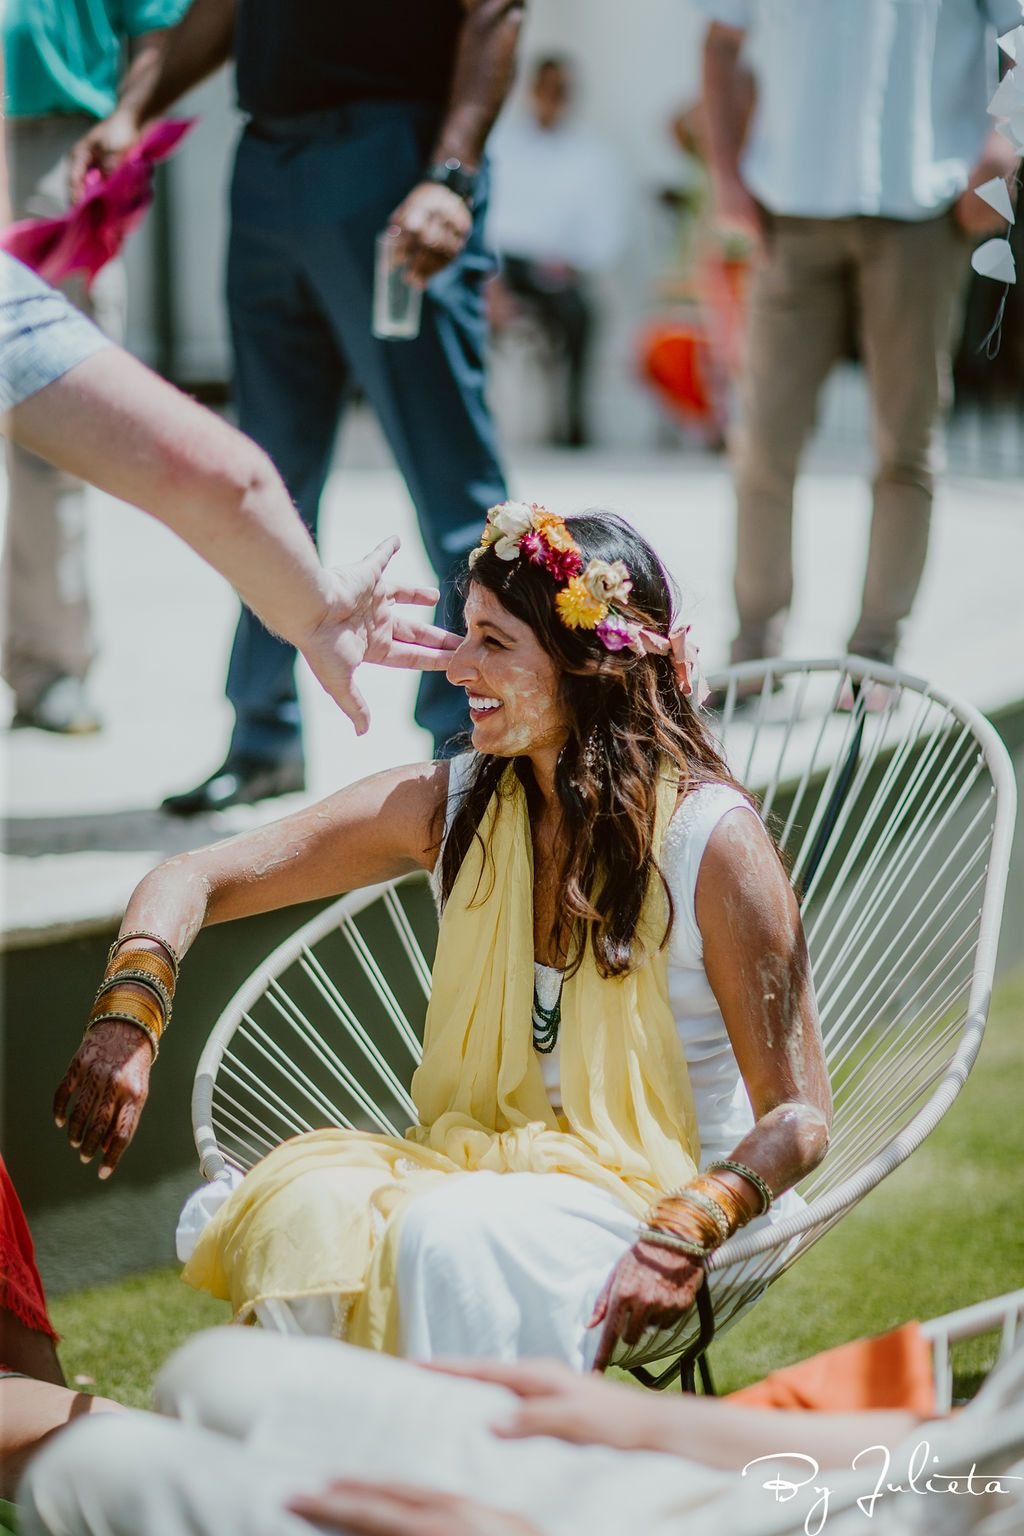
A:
{"points": [[308, 198]]}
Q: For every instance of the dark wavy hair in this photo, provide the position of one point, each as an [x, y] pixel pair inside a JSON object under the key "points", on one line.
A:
{"points": [[626, 715]]}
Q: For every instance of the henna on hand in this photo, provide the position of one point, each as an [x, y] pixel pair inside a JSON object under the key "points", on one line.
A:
{"points": [[650, 1287], [103, 1091]]}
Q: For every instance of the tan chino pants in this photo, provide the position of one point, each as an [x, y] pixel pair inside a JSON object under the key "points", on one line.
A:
{"points": [[896, 282], [47, 629]]}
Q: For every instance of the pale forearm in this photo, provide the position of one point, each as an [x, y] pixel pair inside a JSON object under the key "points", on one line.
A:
{"points": [[728, 100], [188, 53], [484, 66], [112, 422], [721, 1434]]}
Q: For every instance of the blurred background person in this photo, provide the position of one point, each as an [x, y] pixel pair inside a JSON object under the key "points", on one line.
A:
{"points": [[691, 354], [66, 66], [866, 140], [362, 117], [558, 217]]}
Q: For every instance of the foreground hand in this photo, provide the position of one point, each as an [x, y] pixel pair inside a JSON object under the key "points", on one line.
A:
{"points": [[650, 1287], [363, 623], [368, 1509], [557, 1401], [101, 149], [433, 224], [102, 1093]]}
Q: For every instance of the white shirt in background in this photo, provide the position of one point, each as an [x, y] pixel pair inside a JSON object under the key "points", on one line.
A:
{"points": [[557, 195], [874, 107]]}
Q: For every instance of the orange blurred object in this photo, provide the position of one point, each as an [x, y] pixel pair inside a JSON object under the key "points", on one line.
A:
{"points": [[675, 356]]}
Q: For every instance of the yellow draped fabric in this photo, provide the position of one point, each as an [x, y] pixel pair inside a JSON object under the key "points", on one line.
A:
{"points": [[321, 1214]]}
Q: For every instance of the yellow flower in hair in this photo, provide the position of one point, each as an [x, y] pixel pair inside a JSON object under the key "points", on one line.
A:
{"points": [[577, 609], [553, 530]]}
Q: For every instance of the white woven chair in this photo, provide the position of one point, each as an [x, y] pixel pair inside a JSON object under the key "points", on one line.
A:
{"points": [[896, 827]]}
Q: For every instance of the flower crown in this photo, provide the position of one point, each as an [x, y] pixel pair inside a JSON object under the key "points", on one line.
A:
{"points": [[590, 595]]}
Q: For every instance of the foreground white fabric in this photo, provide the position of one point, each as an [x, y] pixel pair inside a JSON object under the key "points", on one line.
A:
{"points": [[264, 1417]]}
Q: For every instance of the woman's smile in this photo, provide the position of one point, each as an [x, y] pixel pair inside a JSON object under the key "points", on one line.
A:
{"points": [[511, 682]]}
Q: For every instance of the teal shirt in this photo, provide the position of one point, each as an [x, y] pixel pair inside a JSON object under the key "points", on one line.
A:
{"points": [[66, 55]]}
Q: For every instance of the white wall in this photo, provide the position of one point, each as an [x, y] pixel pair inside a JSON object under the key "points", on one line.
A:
{"points": [[636, 64]]}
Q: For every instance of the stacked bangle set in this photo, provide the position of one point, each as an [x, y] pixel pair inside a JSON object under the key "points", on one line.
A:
{"points": [[138, 987], [701, 1215]]}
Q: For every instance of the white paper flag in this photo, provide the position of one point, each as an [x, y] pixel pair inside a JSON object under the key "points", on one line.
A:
{"points": [[1012, 43], [1008, 100], [995, 259], [997, 196]]}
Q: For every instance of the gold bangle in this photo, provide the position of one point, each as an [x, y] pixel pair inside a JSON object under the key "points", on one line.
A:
{"points": [[700, 1205], [736, 1208], [142, 960], [133, 1000], [730, 1165], [140, 933], [685, 1219], [670, 1240], [143, 979], [128, 1018]]}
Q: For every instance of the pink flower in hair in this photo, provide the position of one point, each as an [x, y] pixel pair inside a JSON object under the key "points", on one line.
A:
{"points": [[618, 634], [534, 547], [562, 564]]}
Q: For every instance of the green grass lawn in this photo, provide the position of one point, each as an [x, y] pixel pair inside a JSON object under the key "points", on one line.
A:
{"points": [[943, 1231]]}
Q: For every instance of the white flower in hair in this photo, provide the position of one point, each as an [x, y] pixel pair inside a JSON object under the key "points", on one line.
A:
{"points": [[508, 523], [609, 584]]}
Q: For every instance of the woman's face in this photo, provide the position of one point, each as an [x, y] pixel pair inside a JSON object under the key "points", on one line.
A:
{"points": [[515, 700]]}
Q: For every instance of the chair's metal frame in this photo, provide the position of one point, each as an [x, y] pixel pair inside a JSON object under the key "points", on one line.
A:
{"points": [[1003, 1312], [839, 866]]}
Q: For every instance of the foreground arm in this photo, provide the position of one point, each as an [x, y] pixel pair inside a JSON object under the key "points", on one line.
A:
{"points": [[729, 92], [434, 221], [112, 422], [356, 1508], [588, 1410], [757, 963], [375, 830]]}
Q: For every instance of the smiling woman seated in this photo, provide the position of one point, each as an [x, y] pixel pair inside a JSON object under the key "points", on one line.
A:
{"points": [[622, 1060]]}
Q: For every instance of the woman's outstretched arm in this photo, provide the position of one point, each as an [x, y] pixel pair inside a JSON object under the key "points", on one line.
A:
{"points": [[378, 829]]}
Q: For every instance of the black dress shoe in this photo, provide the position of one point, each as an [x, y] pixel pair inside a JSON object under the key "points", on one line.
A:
{"points": [[240, 781]]}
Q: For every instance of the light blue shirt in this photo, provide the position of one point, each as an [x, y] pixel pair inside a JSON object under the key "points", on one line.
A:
{"points": [[873, 107]]}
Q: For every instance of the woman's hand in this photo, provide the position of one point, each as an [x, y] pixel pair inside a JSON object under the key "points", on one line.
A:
{"points": [[650, 1287], [366, 620], [369, 1509], [101, 1095], [557, 1401]]}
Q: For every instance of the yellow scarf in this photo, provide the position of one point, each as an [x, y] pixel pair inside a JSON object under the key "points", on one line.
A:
{"points": [[315, 1216]]}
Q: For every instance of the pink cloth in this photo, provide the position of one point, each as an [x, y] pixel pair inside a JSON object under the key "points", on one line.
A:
{"points": [[92, 232]]}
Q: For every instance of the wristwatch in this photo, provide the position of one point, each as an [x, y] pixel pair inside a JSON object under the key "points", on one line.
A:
{"points": [[454, 175]]}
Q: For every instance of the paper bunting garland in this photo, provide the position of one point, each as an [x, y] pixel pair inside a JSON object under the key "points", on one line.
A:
{"points": [[1007, 106], [995, 259], [1012, 44], [997, 196]]}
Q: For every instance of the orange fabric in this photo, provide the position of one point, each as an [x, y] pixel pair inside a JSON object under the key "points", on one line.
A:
{"points": [[892, 1371]]}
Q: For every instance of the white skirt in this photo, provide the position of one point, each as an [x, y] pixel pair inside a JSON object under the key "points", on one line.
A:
{"points": [[491, 1266]]}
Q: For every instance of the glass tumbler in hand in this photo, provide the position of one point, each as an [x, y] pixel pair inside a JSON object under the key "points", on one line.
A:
{"points": [[397, 305]]}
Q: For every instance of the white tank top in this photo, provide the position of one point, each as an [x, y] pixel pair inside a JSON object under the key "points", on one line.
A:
{"points": [[723, 1109]]}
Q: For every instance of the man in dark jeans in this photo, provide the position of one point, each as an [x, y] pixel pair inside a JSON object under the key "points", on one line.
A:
{"points": [[363, 114]]}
